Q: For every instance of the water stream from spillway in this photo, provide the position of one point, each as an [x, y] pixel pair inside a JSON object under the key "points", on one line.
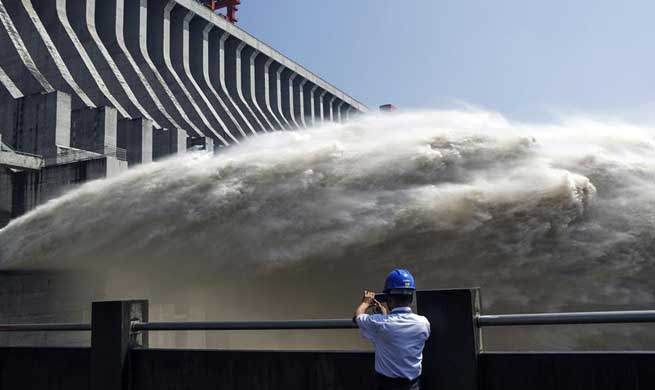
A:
{"points": [[542, 217]]}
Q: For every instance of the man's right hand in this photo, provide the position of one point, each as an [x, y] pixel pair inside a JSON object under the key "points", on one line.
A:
{"points": [[369, 297], [368, 300]]}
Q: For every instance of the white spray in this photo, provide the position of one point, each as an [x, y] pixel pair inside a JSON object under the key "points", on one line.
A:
{"points": [[542, 217]]}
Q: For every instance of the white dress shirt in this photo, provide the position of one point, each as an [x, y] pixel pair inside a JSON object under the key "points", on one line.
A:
{"points": [[398, 338]]}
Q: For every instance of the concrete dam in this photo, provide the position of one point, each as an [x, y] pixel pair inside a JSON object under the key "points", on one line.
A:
{"points": [[544, 217], [90, 88]]}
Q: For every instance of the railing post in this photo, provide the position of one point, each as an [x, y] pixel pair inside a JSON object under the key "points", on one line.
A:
{"points": [[111, 340], [450, 358]]}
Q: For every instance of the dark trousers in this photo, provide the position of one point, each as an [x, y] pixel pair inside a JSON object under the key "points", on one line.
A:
{"points": [[384, 383]]}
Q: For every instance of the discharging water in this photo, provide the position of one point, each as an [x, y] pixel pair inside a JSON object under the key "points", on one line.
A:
{"points": [[542, 217]]}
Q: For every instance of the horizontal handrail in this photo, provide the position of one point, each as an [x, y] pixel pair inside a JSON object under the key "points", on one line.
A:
{"points": [[45, 327], [245, 325], [573, 318]]}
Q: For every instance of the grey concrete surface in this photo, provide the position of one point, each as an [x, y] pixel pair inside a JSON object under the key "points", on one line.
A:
{"points": [[200, 69], [274, 99], [178, 54], [227, 63], [194, 59], [9, 158], [265, 49], [307, 105], [319, 96], [94, 129], [293, 100], [36, 124], [44, 52], [32, 188], [242, 67], [6, 195], [47, 297], [159, 48], [71, 49], [112, 25], [90, 87], [220, 74], [261, 89], [340, 106], [17, 62], [295, 83], [286, 96], [328, 107], [344, 112], [280, 92], [136, 137], [335, 109], [232, 57], [215, 78], [250, 86], [9, 89], [81, 19], [19, 161], [167, 142], [311, 105]]}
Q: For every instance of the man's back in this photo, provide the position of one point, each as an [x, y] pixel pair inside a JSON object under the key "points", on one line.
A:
{"points": [[398, 338]]}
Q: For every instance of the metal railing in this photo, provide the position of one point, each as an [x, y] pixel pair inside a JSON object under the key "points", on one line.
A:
{"points": [[6, 148], [72, 327], [245, 325], [573, 318], [69, 155], [191, 326]]}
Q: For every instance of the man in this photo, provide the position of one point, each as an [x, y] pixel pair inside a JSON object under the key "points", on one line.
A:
{"points": [[397, 334]]}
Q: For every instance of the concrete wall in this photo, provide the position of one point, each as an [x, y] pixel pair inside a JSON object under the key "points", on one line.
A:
{"points": [[45, 369], [30, 188], [37, 123], [68, 369], [131, 80], [567, 371], [6, 190], [46, 297], [237, 370]]}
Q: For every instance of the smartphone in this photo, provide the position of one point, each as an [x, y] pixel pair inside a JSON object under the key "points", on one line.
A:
{"points": [[381, 297]]}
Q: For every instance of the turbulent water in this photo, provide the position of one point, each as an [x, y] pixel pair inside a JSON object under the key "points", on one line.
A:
{"points": [[542, 217]]}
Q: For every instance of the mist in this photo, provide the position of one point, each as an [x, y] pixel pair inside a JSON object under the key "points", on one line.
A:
{"points": [[296, 224]]}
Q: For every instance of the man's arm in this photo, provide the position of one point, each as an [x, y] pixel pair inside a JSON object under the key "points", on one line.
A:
{"points": [[367, 300]]}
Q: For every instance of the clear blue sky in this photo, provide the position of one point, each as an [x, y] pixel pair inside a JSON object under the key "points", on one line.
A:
{"points": [[526, 59]]}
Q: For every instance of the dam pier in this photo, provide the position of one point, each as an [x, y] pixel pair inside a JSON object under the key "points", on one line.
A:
{"points": [[90, 88]]}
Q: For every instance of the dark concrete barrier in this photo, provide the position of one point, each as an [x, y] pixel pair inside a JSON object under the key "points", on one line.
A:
{"points": [[567, 371], [451, 353], [246, 370], [45, 369]]}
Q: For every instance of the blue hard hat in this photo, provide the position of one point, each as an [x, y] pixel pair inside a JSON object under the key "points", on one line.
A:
{"points": [[399, 281]]}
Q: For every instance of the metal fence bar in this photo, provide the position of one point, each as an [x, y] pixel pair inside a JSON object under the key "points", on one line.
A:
{"points": [[45, 327], [599, 317], [245, 325]]}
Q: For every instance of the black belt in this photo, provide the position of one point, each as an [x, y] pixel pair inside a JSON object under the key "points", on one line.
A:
{"points": [[396, 381]]}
